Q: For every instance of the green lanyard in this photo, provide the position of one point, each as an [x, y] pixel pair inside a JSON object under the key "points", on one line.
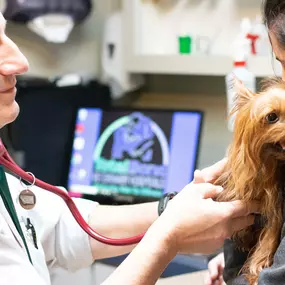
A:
{"points": [[8, 202]]}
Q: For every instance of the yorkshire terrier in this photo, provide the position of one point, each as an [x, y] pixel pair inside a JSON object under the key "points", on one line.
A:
{"points": [[255, 159]]}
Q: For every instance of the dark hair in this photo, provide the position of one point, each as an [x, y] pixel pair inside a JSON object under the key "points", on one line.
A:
{"points": [[274, 18]]}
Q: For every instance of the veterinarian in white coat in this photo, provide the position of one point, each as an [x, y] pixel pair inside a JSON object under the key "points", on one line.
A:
{"points": [[34, 241], [59, 240]]}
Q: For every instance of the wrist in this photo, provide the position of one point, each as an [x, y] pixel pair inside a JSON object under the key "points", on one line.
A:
{"points": [[162, 232]]}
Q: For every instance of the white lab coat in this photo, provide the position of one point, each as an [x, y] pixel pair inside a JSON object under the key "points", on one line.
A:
{"points": [[61, 242]]}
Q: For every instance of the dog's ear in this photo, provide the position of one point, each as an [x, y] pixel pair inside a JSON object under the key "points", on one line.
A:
{"points": [[242, 95], [271, 82]]}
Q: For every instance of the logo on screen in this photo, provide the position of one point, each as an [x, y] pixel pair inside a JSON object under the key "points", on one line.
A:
{"points": [[135, 139], [131, 168]]}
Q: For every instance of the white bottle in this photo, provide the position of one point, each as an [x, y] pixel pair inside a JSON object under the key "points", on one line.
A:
{"points": [[242, 50], [263, 47], [241, 72]]}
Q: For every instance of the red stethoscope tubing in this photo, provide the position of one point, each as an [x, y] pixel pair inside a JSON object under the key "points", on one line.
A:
{"points": [[7, 161]]}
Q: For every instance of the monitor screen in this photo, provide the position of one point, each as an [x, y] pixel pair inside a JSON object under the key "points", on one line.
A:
{"points": [[138, 153]]}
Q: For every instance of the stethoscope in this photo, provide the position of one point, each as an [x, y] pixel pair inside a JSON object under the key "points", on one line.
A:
{"points": [[7, 161]]}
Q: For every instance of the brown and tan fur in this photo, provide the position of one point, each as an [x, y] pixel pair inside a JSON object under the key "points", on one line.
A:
{"points": [[254, 160]]}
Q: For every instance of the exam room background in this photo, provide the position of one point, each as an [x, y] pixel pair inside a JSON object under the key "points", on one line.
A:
{"points": [[82, 54]]}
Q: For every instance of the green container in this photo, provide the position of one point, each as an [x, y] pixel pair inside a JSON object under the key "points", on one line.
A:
{"points": [[185, 45]]}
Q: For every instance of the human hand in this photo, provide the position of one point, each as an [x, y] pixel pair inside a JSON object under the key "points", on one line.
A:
{"points": [[194, 223], [215, 271], [211, 173]]}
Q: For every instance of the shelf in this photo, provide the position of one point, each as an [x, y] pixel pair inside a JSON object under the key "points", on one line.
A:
{"points": [[197, 65], [148, 31]]}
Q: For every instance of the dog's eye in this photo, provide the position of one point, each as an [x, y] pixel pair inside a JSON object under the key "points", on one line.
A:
{"points": [[272, 118]]}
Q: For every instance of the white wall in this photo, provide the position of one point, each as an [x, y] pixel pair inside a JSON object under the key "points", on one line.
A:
{"points": [[158, 26], [80, 54], [82, 51]]}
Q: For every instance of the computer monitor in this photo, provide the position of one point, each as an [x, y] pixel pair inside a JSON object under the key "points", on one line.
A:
{"points": [[140, 154]]}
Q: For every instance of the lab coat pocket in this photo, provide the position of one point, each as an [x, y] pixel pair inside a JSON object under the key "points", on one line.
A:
{"points": [[29, 232], [34, 245]]}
